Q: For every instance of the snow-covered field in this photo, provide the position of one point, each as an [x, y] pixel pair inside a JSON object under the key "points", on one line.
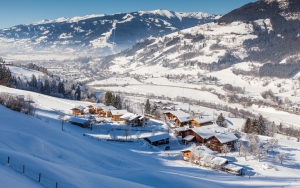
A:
{"points": [[72, 160]]}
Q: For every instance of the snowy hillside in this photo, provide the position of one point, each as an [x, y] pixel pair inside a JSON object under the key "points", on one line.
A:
{"points": [[72, 160], [104, 33]]}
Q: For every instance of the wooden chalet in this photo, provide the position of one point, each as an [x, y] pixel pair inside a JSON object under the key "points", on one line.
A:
{"points": [[158, 139], [218, 140], [105, 111], [116, 114], [95, 108], [213, 136], [78, 110], [201, 121], [134, 119], [179, 118]]}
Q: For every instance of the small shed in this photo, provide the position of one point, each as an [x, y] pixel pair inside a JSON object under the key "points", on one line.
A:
{"points": [[158, 139], [79, 121], [233, 169], [188, 139]]}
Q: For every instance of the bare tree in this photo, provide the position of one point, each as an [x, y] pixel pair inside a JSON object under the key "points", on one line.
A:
{"points": [[62, 121], [273, 143], [244, 152], [207, 159], [261, 153], [225, 149], [271, 129], [281, 156], [138, 135], [127, 131], [239, 145]]}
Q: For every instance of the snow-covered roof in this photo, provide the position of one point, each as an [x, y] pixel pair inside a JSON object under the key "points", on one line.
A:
{"points": [[188, 137], [233, 167], [129, 116], [118, 112], [79, 107], [78, 120], [98, 105], [203, 120], [157, 137], [182, 129], [219, 161], [199, 149], [226, 137], [207, 131], [181, 115], [215, 130], [99, 119], [108, 108]]}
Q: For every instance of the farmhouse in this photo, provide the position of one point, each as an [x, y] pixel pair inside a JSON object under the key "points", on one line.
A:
{"points": [[79, 121], [205, 157], [134, 119], [105, 111], [213, 136], [93, 109], [116, 114], [179, 118], [201, 121], [158, 139], [220, 139], [78, 110]]}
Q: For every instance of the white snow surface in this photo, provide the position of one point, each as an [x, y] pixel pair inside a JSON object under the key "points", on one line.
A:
{"points": [[72, 160]]}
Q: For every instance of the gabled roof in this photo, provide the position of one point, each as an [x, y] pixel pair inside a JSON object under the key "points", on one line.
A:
{"points": [[226, 137], [206, 131], [214, 130], [219, 161], [98, 105], [181, 115], [78, 120], [118, 112], [203, 120], [188, 137], [108, 108], [158, 137], [129, 116], [78, 107], [233, 167]]}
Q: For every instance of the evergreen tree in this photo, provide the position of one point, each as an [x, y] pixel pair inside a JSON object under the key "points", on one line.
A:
{"points": [[117, 102], [261, 127], [220, 120], [78, 93], [147, 107], [33, 82], [108, 98], [47, 88], [53, 86], [248, 126], [61, 88], [41, 87], [112, 101]]}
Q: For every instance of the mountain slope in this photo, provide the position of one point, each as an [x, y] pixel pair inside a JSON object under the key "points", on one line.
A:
{"points": [[106, 33], [266, 31]]}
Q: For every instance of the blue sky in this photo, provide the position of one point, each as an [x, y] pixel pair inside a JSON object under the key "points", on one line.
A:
{"points": [[14, 12]]}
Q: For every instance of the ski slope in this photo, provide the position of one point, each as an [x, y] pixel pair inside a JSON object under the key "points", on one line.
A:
{"points": [[72, 160]]}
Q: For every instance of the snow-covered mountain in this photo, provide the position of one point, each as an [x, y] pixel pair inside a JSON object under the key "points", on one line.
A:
{"points": [[97, 32], [265, 31]]}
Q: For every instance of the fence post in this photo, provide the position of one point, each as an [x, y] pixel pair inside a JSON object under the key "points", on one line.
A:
{"points": [[23, 169], [56, 185], [40, 177], [8, 160]]}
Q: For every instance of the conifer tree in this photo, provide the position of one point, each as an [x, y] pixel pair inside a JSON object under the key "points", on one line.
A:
{"points": [[33, 81], [220, 120], [78, 93], [248, 126], [108, 98], [53, 86], [147, 107], [261, 127], [47, 88]]}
